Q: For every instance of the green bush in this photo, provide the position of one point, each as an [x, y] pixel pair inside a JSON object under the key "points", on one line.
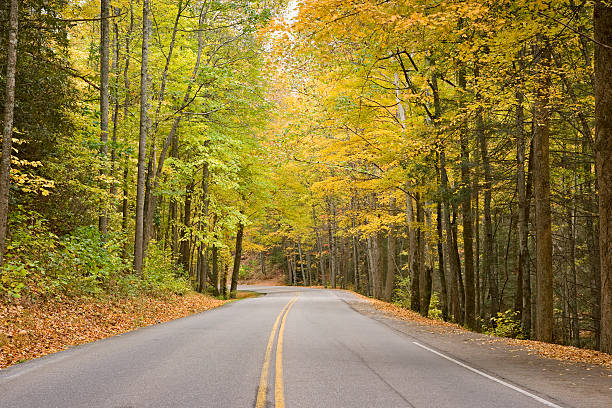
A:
{"points": [[435, 312], [160, 274], [506, 324], [39, 263], [401, 293]]}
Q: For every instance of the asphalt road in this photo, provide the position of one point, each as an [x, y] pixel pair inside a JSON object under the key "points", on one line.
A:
{"points": [[292, 347]]}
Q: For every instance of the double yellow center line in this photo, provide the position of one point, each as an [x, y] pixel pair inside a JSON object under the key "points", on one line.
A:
{"points": [[279, 395]]}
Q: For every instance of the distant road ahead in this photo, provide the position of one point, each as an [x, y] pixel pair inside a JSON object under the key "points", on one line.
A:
{"points": [[292, 347]]}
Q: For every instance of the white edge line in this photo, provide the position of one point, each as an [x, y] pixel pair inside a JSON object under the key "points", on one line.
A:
{"points": [[490, 377]]}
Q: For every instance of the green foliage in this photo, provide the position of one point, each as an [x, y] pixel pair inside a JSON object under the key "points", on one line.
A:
{"points": [[435, 312], [161, 275], [401, 293], [506, 324], [83, 263]]}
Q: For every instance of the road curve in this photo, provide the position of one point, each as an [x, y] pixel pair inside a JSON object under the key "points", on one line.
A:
{"points": [[291, 348]]}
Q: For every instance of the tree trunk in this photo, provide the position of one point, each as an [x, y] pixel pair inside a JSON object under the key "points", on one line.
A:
{"points": [[7, 131], [301, 262], [523, 220], [466, 210], [126, 110], [453, 256], [215, 270], [104, 103], [488, 228], [390, 273], [237, 258], [185, 239], [544, 277], [441, 269], [602, 20], [115, 101], [424, 289], [142, 141]]}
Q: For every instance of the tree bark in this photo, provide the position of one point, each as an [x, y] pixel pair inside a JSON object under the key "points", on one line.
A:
{"points": [[441, 268], [488, 227], [390, 272], [142, 141], [7, 130], [104, 103], [237, 259], [523, 219], [544, 277], [215, 270], [185, 238], [602, 21]]}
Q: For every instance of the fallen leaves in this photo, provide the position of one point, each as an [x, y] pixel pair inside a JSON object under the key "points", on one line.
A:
{"points": [[57, 324], [548, 350]]}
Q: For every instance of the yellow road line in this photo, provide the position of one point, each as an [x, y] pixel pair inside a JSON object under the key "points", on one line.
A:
{"points": [[263, 380], [279, 392]]}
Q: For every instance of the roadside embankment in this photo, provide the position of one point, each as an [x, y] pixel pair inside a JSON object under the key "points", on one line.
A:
{"points": [[29, 331]]}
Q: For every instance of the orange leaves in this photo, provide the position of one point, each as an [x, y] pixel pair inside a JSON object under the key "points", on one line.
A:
{"points": [[56, 324]]}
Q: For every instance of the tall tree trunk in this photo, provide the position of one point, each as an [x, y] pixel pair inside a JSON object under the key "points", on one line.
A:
{"points": [[332, 246], [115, 101], [466, 210], [126, 110], [413, 255], [520, 183], [573, 284], [7, 131], [441, 268], [104, 103], [142, 141], [390, 273], [602, 21], [424, 291], [319, 246], [523, 219], [237, 258], [185, 239], [488, 227], [215, 270], [453, 260], [303, 273], [544, 277]]}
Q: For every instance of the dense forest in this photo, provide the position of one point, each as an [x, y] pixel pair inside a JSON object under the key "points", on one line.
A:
{"points": [[454, 157]]}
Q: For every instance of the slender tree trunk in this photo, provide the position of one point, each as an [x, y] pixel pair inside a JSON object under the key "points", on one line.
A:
{"points": [[301, 261], [573, 284], [453, 261], [185, 239], [332, 247], [424, 290], [142, 141], [319, 246], [488, 227], [7, 131], [466, 211], [522, 203], [115, 101], [390, 273], [413, 255], [602, 20], [544, 277], [523, 220], [126, 110], [215, 270], [441, 269], [237, 258], [104, 104]]}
